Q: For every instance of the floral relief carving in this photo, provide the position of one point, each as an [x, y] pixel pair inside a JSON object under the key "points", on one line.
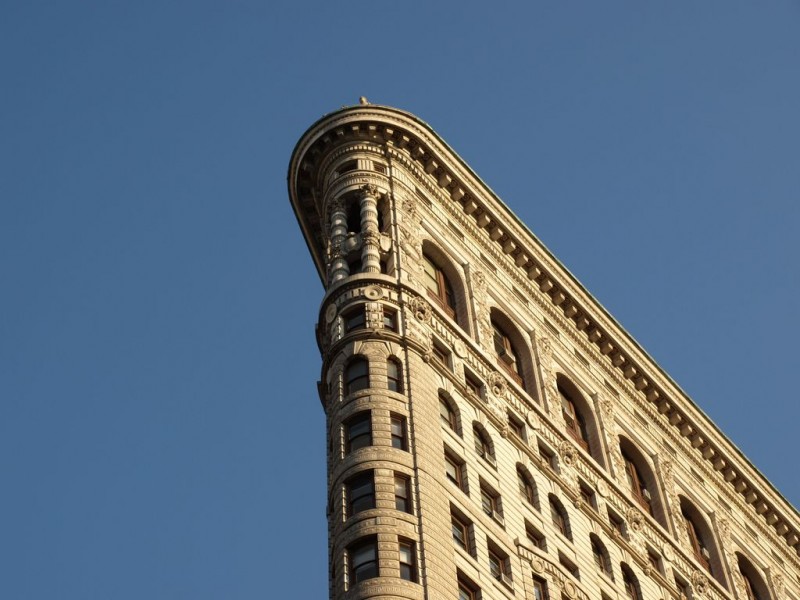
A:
{"points": [[635, 521], [497, 384], [699, 582], [567, 452], [777, 584], [420, 309]]}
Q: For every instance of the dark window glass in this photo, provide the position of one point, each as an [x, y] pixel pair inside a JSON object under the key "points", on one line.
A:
{"points": [[402, 493], [358, 432], [363, 561], [394, 375], [506, 354], [439, 288], [399, 439], [354, 319], [576, 425], [360, 493], [356, 375]]}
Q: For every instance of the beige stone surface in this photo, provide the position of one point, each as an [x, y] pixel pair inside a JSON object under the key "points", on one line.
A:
{"points": [[405, 195]]}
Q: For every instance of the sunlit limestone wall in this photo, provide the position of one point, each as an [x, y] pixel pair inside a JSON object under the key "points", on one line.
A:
{"points": [[628, 493]]}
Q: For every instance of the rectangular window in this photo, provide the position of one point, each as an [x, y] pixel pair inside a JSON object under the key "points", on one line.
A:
{"points": [[540, 589], [354, 319], [490, 502], [473, 384], [402, 493], [616, 522], [548, 456], [587, 495], [467, 590], [454, 471], [399, 438], [389, 319], [408, 563], [460, 532], [360, 493], [500, 565], [358, 432], [655, 560], [535, 537], [362, 561], [515, 427], [569, 566], [394, 376], [441, 355]]}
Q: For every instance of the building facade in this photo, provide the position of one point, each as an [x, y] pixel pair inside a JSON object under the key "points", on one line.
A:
{"points": [[492, 432]]}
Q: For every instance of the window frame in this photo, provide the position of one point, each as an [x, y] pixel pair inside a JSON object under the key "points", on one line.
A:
{"points": [[440, 288], [527, 487], [367, 493], [559, 517], [399, 440], [506, 353], [408, 568], [491, 503], [394, 375], [359, 418], [354, 319], [368, 543], [403, 501], [483, 445], [359, 381], [459, 477], [574, 420]]}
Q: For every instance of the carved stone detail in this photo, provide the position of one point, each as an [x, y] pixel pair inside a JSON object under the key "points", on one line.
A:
{"points": [[777, 584], [635, 520], [420, 309], [482, 311], [699, 583], [545, 357], [497, 384], [568, 454]]}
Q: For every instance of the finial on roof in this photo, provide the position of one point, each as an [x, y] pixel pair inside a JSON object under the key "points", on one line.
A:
{"points": [[363, 100]]}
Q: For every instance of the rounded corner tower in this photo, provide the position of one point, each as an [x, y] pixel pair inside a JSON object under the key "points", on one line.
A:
{"points": [[492, 432]]}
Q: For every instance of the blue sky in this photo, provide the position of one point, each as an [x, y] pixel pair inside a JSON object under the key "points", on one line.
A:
{"points": [[157, 309]]}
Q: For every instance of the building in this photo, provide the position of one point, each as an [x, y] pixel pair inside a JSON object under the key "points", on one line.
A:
{"points": [[493, 433]]}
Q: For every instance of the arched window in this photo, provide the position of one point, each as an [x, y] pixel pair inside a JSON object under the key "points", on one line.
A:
{"points": [[439, 287], [754, 585], [630, 582], [394, 375], [356, 375], [506, 353], [600, 554], [448, 414], [574, 420], [559, 516], [698, 533], [483, 444], [641, 481], [637, 484], [527, 487], [580, 421]]}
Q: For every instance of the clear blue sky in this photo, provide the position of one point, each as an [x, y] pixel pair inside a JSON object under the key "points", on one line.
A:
{"points": [[160, 431]]}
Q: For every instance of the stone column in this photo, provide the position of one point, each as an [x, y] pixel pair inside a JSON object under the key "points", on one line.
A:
{"points": [[370, 235], [338, 268]]}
